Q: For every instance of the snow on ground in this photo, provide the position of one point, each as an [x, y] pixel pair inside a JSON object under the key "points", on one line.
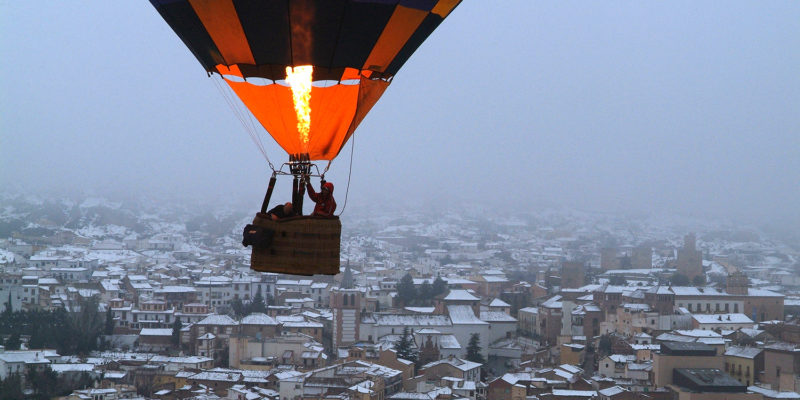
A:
{"points": [[98, 232], [100, 202], [6, 257]]}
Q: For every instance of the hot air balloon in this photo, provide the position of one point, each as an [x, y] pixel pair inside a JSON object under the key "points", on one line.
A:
{"points": [[309, 71]]}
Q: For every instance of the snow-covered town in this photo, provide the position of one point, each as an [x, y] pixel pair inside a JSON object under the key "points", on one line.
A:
{"points": [[554, 305]]}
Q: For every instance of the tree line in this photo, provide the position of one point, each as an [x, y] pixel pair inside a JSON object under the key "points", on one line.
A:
{"points": [[241, 309], [76, 332], [412, 295], [44, 383]]}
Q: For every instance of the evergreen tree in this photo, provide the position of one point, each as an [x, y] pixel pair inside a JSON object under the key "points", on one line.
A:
{"points": [[9, 310], [618, 280], [604, 345], [86, 325], [446, 260], [85, 381], [404, 347], [439, 286], [237, 307], [406, 291], [678, 279], [425, 293], [13, 342], [37, 340], [109, 328], [176, 331], [699, 280], [11, 388], [48, 379], [257, 305], [474, 349]]}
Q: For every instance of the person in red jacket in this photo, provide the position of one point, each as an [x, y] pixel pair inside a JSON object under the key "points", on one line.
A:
{"points": [[326, 205]]}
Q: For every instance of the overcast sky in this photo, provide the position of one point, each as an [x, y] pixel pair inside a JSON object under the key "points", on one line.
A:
{"points": [[682, 107]]}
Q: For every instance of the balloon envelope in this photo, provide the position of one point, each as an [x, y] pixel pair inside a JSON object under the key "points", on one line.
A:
{"points": [[355, 47]]}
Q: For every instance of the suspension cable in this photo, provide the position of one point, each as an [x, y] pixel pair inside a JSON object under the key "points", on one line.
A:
{"points": [[349, 172], [326, 168], [244, 117]]}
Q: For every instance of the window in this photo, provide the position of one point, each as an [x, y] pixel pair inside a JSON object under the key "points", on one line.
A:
{"points": [[736, 307]]}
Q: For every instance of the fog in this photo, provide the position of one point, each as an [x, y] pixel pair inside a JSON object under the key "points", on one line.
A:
{"points": [[689, 108]]}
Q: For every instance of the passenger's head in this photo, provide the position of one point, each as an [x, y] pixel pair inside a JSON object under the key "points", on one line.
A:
{"points": [[327, 188], [287, 208]]}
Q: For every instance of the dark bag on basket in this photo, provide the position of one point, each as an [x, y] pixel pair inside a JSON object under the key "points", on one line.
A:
{"points": [[257, 236]]}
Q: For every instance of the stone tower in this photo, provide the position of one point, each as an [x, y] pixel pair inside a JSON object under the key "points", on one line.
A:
{"points": [[690, 260], [642, 257], [572, 274], [738, 283], [608, 258]]}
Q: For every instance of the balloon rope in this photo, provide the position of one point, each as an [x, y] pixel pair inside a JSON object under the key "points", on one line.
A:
{"points": [[349, 172], [240, 115]]}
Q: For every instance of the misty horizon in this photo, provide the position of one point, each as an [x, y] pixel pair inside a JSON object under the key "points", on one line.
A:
{"points": [[681, 109]]}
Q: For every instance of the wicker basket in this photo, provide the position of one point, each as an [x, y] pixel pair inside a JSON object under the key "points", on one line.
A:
{"points": [[303, 245]]}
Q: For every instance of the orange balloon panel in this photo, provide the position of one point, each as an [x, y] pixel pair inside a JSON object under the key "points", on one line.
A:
{"points": [[336, 111]]}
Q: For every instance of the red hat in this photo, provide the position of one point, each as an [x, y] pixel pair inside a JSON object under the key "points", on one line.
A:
{"points": [[328, 186]]}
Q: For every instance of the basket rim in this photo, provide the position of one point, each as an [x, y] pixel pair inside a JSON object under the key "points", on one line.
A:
{"points": [[298, 218]]}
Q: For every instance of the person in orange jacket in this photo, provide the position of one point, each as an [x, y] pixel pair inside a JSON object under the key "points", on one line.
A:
{"points": [[325, 204]]}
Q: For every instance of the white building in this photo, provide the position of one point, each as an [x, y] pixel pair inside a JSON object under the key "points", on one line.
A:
{"points": [[721, 321], [20, 361]]}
